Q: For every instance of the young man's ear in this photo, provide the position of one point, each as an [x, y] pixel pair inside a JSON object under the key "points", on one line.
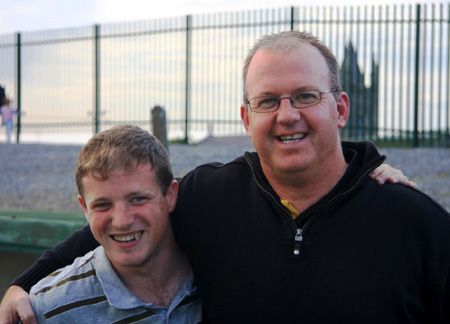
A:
{"points": [[82, 204]]}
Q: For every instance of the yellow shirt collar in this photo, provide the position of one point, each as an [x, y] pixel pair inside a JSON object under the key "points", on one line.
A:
{"points": [[294, 212]]}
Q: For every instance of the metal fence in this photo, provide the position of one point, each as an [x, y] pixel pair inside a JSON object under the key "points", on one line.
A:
{"points": [[73, 82]]}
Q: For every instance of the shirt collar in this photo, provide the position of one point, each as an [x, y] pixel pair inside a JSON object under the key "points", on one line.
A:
{"points": [[119, 296]]}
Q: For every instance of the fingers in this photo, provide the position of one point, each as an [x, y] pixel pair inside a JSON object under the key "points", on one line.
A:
{"points": [[24, 309], [405, 181], [382, 173], [16, 304], [387, 173]]}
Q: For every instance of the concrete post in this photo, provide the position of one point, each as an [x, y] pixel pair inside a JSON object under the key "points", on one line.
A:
{"points": [[159, 125]]}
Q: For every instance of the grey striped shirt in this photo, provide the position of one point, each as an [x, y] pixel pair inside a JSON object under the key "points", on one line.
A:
{"points": [[89, 291]]}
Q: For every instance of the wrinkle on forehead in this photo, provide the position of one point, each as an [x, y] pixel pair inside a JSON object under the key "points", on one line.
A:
{"points": [[283, 45], [281, 73]]}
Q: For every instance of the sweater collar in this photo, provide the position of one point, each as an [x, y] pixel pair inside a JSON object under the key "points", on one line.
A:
{"points": [[361, 157]]}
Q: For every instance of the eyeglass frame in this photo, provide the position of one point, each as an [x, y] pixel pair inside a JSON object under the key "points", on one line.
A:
{"points": [[247, 102]]}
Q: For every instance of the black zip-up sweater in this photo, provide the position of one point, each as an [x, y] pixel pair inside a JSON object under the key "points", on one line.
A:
{"points": [[363, 254]]}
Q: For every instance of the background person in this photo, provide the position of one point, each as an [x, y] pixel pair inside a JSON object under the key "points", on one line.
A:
{"points": [[8, 113]]}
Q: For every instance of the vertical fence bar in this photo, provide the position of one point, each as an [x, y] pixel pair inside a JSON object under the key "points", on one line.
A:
{"points": [[348, 131], [374, 89], [432, 63], [416, 80], [441, 49], [188, 79], [379, 33], [394, 68], [97, 79], [409, 125], [386, 86], [359, 124], [402, 122], [292, 18], [19, 83], [330, 28], [423, 106], [366, 117], [447, 133]]}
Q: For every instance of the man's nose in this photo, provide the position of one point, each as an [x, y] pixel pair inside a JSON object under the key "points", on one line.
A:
{"points": [[286, 112], [122, 217], [287, 98]]}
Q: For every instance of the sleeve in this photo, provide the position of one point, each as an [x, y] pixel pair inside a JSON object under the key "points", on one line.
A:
{"points": [[76, 245], [443, 291], [447, 299], [37, 309]]}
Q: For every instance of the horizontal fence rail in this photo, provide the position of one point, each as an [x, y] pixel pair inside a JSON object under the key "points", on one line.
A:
{"points": [[395, 66]]}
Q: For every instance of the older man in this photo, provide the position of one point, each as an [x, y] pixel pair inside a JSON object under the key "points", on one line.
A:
{"points": [[297, 232]]}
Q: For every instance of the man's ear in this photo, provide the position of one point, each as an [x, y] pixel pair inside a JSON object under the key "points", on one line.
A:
{"points": [[172, 194], [343, 108], [82, 203], [245, 119]]}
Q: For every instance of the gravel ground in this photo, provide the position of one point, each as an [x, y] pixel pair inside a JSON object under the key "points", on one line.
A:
{"points": [[39, 176]]}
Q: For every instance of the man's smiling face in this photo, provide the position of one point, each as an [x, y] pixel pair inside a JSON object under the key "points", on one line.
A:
{"points": [[290, 139], [129, 215]]}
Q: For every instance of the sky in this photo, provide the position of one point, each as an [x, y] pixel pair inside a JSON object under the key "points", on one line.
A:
{"points": [[34, 15]]}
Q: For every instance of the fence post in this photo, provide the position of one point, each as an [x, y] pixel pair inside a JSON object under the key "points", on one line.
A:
{"points": [[188, 79], [292, 18], [19, 84], [158, 114], [97, 79], [416, 81]]}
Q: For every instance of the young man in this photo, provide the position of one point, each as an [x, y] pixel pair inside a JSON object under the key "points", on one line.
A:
{"points": [[240, 222], [138, 274]]}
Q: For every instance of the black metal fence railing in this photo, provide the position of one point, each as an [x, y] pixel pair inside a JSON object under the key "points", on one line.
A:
{"points": [[395, 65]]}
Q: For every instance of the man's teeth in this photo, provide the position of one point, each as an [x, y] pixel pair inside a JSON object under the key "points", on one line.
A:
{"points": [[292, 138], [127, 238]]}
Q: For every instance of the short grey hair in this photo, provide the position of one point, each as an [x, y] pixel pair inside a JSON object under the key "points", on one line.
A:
{"points": [[286, 41]]}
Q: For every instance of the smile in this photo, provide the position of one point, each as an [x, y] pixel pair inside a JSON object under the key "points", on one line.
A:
{"points": [[127, 238], [292, 138]]}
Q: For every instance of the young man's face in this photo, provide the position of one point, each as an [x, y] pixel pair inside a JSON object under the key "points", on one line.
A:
{"points": [[290, 140], [129, 216]]}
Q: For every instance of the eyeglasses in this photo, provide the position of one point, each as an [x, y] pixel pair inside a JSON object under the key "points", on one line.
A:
{"points": [[301, 99]]}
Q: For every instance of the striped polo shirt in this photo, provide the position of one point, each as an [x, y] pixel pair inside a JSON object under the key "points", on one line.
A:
{"points": [[89, 291]]}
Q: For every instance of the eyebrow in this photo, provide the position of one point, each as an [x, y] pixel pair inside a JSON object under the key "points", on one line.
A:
{"points": [[97, 200], [139, 192], [129, 195], [271, 94]]}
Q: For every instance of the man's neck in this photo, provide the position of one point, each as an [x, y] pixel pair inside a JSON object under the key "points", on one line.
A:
{"points": [[159, 283], [304, 188]]}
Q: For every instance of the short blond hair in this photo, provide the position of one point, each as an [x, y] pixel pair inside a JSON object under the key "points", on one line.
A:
{"points": [[122, 148]]}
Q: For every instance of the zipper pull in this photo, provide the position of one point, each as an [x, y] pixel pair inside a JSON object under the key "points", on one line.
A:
{"points": [[298, 241]]}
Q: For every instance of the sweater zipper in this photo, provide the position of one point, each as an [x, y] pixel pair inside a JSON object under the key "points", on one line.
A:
{"points": [[298, 231], [298, 238]]}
